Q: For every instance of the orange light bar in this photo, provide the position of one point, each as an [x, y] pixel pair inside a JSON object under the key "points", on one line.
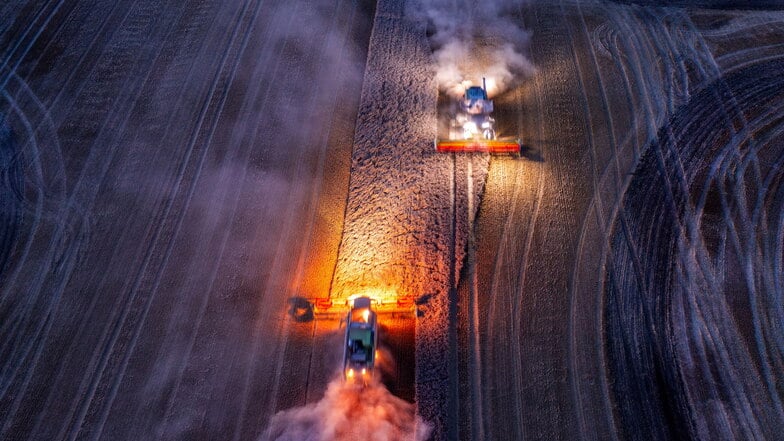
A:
{"points": [[478, 145], [329, 306]]}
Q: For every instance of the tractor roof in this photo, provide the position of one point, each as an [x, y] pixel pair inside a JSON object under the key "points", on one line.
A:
{"points": [[475, 93], [364, 335]]}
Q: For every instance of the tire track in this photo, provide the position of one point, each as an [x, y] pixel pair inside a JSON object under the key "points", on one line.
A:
{"points": [[612, 170], [535, 338], [79, 337], [85, 67], [238, 138], [34, 299], [39, 348], [11, 326], [11, 66], [318, 178], [693, 260], [254, 135], [61, 237], [5, 295], [82, 282], [740, 196], [99, 384], [509, 311], [508, 277], [140, 321], [574, 370], [50, 195], [607, 180], [282, 337], [11, 194]]}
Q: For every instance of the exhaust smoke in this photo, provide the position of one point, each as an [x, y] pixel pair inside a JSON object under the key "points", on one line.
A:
{"points": [[476, 40], [348, 412]]}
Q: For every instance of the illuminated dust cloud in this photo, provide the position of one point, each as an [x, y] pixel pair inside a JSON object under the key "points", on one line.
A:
{"points": [[349, 412], [483, 40]]}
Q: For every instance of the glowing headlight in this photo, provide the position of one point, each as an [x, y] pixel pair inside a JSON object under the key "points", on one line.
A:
{"points": [[350, 373], [485, 125], [364, 371]]}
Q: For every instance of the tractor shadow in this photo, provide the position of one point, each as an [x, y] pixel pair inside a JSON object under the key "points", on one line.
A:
{"points": [[531, 153], [300, 309]]}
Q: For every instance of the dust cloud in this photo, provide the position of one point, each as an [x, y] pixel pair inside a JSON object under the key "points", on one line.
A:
{"points": [[475, 40], [349, 412]]}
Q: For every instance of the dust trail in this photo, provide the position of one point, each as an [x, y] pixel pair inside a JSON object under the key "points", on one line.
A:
{"points": [[475, 40], [348, 412]]}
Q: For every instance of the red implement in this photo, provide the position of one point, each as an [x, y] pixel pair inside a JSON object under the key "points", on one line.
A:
{"points": [[329, 306], [479, 145]]}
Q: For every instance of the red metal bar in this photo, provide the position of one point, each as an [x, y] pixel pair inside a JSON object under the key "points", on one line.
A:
{"points": [[323, 304], [478, 145], [405, 302]]}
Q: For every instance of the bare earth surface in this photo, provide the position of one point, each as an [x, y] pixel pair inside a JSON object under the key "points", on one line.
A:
{"points": [[173, 174], [176, 172], [626, 285]]}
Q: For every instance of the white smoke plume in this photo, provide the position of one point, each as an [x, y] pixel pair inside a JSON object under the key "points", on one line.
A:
{"points": [[472, 40], [348, 412]]}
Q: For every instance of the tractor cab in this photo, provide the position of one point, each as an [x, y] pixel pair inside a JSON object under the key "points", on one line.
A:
{"points": [[476, 104], [359, 352], [472, 129], [475, 93]]}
